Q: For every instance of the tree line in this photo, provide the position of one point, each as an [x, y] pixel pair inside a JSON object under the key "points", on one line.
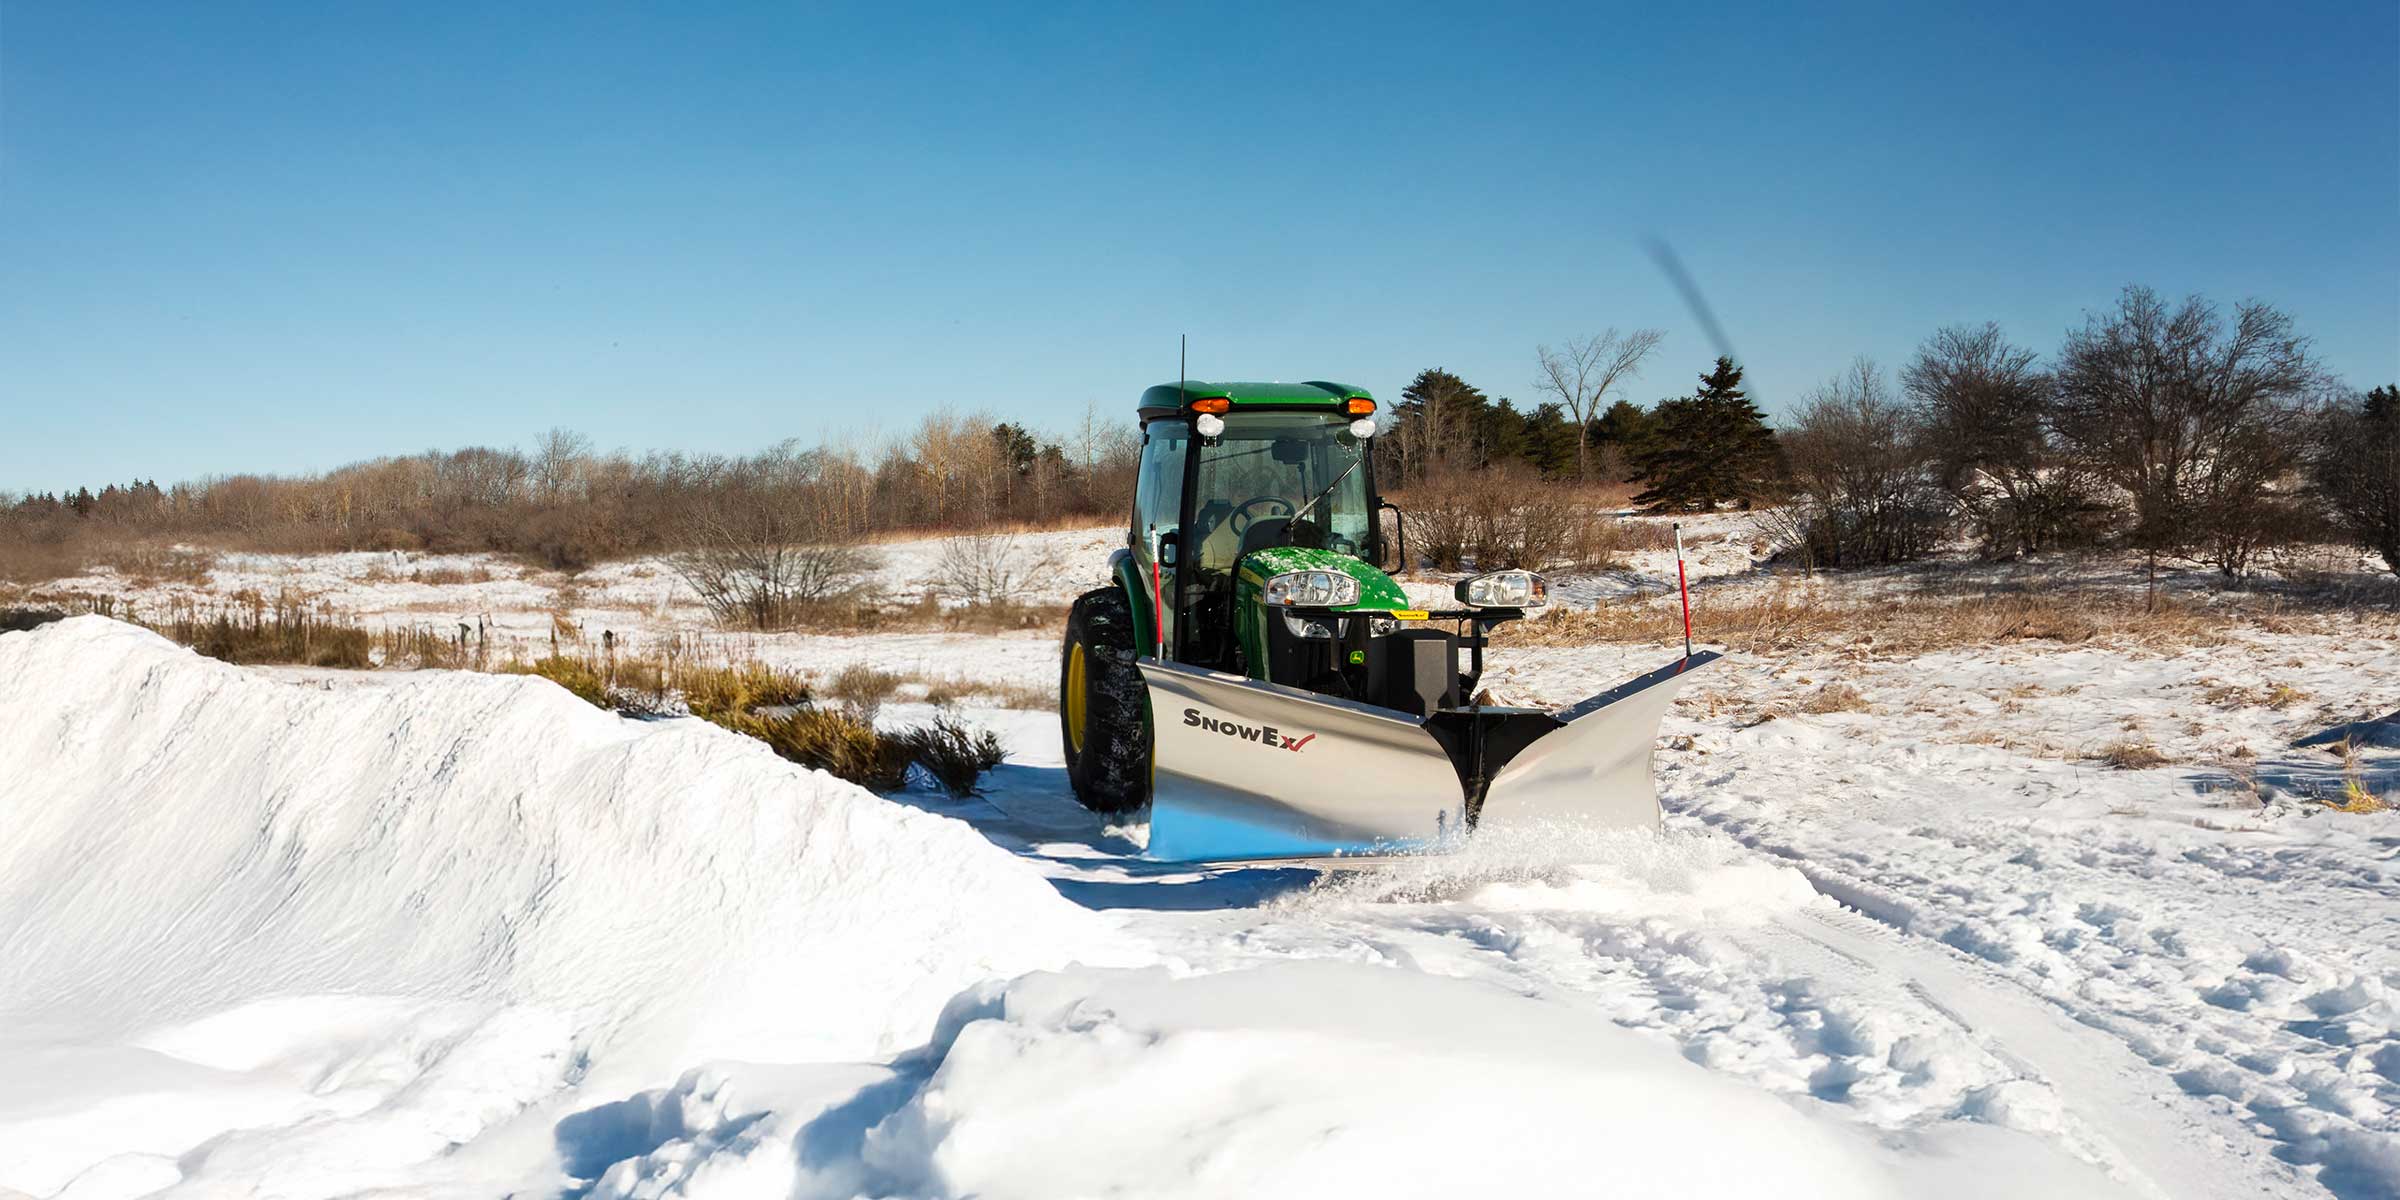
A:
{"points": [[566, 504], [2177, 430], [2174, 429]]}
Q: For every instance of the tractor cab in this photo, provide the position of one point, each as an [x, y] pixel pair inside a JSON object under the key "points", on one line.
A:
{"points": [[1264, 482]]}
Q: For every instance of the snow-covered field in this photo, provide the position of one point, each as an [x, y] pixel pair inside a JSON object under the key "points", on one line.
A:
{"points": [[277, 933]]}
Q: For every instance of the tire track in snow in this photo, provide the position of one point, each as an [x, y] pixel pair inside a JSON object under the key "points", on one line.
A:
{"points": [[2102, 930], [2110, 1096]]}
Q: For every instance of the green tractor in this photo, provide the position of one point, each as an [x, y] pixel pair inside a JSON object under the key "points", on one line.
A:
{"points": [[1255, 677]]}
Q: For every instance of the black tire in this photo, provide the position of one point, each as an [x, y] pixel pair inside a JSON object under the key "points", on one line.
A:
{"points": [[1108, 760]]}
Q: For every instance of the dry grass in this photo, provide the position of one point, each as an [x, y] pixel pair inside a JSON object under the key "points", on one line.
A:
{"points": [[451, 576], [2357, 797], [33, 561], [1794, 617], [944, 693], [837, 741], [2131, 756], [776, 706], [288, 629], [148, 565], [863, 687], [1833, 698], [2229, 695], [580, 676], [716, 691]]}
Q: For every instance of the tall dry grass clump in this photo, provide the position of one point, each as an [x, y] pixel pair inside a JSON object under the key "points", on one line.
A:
{"points": [[837, 741], [254, 630]]}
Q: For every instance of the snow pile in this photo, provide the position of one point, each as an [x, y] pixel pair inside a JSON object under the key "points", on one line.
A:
{"points": [[1695, 938], [1309, 1078], [419, 906], [1586, 869]]}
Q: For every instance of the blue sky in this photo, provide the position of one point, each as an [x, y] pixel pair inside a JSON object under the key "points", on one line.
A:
{"points": [[283, 237]]}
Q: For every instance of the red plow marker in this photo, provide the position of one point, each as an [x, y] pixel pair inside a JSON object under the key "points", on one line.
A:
{"points": [[1685, 588]]}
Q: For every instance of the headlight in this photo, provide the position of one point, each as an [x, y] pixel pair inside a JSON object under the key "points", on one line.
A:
{"points": [[1312, 589], [1504, 589]]}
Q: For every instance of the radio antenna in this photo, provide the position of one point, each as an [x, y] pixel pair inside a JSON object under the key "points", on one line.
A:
{"points": [[1183, 351]]}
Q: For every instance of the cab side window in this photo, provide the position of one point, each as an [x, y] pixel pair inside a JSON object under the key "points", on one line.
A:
{"points": [[1158, 501]]}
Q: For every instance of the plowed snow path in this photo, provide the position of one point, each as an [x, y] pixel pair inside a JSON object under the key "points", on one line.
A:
{"points": [[2197, 1014]]}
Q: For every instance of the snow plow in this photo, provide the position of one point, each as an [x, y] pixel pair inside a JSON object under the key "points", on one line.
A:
{"points": [[1256, 678]]}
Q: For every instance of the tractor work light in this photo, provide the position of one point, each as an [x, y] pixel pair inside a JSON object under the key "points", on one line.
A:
{"points": [[1311, 589], [1359, 406], [1504, 589], [1363, 428], [1209, 425], [1212, 404]]}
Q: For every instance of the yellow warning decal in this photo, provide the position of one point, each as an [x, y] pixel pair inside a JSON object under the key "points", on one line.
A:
{"points": [[1408, 614]]}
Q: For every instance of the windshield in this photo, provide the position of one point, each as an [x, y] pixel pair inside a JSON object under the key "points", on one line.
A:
{"points": [[1267, 468]]}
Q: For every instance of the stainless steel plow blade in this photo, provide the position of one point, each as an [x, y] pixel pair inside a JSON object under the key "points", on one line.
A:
{"points": [[1249, 770]]}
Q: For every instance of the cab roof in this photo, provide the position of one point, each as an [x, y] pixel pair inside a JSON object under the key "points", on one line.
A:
{"points": [[1170, 397]]}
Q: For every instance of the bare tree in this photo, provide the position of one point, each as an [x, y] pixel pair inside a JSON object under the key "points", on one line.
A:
{"points": [[2196, 422], [1863, 472], [993, 568], [558, 458], [754, 552], [2356, 465], [1582, 372], [1984, 405]]}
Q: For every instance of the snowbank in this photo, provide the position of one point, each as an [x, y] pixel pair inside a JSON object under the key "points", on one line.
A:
{"points": [[1312, 1079], [432, 902]]}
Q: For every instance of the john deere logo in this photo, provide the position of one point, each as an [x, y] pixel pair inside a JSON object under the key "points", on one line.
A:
{"points": [[1266, 735]]}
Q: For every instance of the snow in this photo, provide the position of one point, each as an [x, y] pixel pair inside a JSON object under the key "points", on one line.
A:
{"points": [[296, 933], [382, 921]]}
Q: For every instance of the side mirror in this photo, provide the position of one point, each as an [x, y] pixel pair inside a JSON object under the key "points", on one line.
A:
{"points": [[1399, 535]]}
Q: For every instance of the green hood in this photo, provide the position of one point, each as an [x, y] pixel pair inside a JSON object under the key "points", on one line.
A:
{"points": [[1376, 590]]}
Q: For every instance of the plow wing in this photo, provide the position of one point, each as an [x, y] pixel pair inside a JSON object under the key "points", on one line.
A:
{"points": [[1250, 770]]}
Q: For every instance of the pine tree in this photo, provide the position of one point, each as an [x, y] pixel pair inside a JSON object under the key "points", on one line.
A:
{"points": [[1499, 434], [1435, 422], [1626, 425], [1550, 442], [1708, 448]]}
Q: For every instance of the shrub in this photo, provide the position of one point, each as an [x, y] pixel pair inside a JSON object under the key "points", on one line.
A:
{"points": [[1862, 472], [953, 755], [715, 693], [837, 741], [421, 647], [1493, 518], [577, 675], [992, 569], [1601, 540], [15, 620], [146, 564], [765, 583], [863, 687], [253, 631]]}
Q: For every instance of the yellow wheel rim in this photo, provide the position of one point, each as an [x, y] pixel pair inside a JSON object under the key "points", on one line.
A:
{"points": [[1074, 697]]}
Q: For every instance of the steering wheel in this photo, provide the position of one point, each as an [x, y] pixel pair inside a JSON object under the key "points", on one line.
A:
{"points": [[1242, 517]]}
